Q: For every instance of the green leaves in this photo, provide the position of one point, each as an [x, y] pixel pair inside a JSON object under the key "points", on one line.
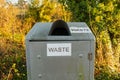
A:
{"points": [[103, 17]]}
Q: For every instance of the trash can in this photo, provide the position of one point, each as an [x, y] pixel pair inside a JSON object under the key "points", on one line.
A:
{"points": [[60, 51]]}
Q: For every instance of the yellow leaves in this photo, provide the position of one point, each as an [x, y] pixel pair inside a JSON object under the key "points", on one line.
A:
{"points": [[14, 65], [10, 74], [104, 10], [110, 7], [2, 2], [52, 10], [98, 18], [18, 74], [101, 5], [59, 12], [14, 69], [118, 16], [105, 7], [94, 11], [110, 18]]}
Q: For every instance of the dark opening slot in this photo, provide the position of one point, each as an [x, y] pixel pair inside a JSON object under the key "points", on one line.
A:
{"points": [[59, 28]]}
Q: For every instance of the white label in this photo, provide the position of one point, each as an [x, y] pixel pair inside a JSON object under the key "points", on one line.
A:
{"points": [[59, 49], [80, 30]]}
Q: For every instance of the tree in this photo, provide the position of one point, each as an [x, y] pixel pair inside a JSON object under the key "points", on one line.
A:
{"points": [[78, 8], [21, 2], [35, 3], [11, 44], [103, 17], [48, 11]]}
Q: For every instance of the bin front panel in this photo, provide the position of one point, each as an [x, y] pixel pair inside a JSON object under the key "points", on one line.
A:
{"points": [[74, 66]]}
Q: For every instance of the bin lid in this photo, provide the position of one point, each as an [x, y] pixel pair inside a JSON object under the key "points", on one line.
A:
{"points": [[78, 31]]}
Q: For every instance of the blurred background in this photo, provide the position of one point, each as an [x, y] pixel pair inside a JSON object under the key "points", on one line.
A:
{"points": [[18, 16]]}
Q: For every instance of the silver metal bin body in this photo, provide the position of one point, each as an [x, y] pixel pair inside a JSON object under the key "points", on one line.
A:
{"points": [[60, 57]]}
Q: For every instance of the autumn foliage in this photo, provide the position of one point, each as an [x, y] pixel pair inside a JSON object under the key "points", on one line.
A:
{"points": [[102, 16]]}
